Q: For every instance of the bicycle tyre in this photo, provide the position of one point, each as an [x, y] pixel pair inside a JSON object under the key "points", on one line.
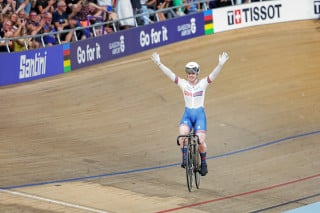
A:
{"points": [[197, 168], [189, 168]]}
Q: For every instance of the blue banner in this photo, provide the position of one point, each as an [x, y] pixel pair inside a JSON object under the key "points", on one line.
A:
{"points": [[123, 43], [31, 65], [44, 62]]}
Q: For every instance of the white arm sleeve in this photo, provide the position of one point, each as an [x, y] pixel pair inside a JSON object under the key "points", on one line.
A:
{"points": [[214, 73], [168, 72]]}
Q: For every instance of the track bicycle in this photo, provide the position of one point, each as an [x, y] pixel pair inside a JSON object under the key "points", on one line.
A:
{"points": [[193, 162]]}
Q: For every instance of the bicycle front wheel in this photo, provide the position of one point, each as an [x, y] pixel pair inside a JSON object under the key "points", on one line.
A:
{"points": [[189, 169], [197, 162]]}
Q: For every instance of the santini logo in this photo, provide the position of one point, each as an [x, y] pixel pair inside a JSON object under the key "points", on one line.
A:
{"points": [[253, 14], [33, 66]]}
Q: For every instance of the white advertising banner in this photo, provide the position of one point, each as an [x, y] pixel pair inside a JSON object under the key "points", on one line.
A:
{"points": [[266, 12]]}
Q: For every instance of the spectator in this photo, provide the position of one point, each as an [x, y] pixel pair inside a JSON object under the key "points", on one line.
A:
{"points": [[21, 43], [85, 8], [19, 30], [1, 15], [6, 32], [34, 27], [88, 13], [96, 10], [23, 5], [70, 5], [60, 19], [7, 9], [180, 10], [59, 16], [10, 7], [43, 6], [33, 21], [124, 11], [14, 20], [136, 8], [192, 7], [97, 14], [48, 27], [106, 3], [21, 18], [22, 15], [146, 10], [3, 47], [2, 5], [109, 17], [33, 6], [109, 27], [74, 34], [162, 4]]}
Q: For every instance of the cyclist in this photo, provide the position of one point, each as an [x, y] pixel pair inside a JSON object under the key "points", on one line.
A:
{"points": [[193, 89]]}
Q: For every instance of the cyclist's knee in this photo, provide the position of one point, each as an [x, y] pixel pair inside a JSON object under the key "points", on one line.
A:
{"points": [[202, 136], [203, 144], [184, 129], [202, 147]]}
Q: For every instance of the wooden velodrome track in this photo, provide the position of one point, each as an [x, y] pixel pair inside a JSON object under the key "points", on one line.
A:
{"points": [[102, 139]]}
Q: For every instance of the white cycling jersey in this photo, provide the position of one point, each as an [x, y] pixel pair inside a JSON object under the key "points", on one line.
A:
{"points": [[193, 94]]}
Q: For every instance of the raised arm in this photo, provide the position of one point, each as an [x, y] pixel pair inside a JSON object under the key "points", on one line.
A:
{"points": [[222, 59], [156, 59]]}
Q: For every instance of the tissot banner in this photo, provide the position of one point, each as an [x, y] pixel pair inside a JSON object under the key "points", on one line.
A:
{"points": [[266, 12]]}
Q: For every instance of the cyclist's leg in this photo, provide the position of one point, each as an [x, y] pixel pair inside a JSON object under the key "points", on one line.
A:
{"points": [[201, 129], [184, 129], [202, 138], [203, 152]]}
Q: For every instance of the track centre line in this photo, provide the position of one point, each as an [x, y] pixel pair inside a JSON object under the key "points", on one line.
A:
{"points": [[161, 166], [241, 194], [34, 197]]}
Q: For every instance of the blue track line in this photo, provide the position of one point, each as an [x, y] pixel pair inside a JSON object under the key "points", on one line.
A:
{"points": [[266, 144], [286, 203], [160, 167]]}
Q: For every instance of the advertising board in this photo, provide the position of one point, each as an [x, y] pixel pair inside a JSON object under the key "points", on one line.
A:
{"points": [[266, 12], [31, 65], [123, 43]]}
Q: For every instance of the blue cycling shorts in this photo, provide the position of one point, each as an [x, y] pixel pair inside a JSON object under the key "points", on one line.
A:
{"points": [[194, 119]]}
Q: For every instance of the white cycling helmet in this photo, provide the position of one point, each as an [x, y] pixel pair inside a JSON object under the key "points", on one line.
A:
{"points": [[192, 67]]}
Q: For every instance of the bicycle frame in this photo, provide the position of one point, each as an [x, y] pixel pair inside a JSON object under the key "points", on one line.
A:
{"points": [[191, 141]]}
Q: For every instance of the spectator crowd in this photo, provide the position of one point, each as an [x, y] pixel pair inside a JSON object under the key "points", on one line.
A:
{"points": [[25, 19]]}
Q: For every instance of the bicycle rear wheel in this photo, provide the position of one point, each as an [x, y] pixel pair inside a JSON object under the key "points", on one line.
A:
{"points": [[189, 168]]}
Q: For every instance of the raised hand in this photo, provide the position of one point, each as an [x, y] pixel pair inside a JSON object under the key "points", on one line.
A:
{"points": [[223, 58], [156, 58]]}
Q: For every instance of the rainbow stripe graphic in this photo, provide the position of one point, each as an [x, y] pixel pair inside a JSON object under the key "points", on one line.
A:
{"points": [[208, 22], [66, 58]]}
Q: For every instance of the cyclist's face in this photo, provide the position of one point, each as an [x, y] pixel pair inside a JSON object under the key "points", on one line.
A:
{"points": [[192, 77]]}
